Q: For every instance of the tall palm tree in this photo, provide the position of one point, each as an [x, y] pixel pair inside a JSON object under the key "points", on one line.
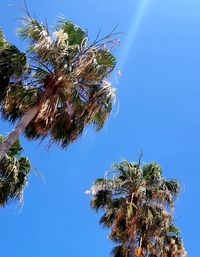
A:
{"points": [[138, 202], [58, 86], [14, 170]]}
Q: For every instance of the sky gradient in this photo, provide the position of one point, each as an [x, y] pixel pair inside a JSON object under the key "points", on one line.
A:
{"points": [[158, 111]]}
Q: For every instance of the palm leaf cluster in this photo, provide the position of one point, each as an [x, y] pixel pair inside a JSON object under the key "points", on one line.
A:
{"points": [[138, 202], [62, 74], [12, 64], [14, 170]]}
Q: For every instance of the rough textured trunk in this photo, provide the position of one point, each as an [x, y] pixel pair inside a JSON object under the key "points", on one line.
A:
{"points": [[13, 136], [132, 246], [132, 239]]}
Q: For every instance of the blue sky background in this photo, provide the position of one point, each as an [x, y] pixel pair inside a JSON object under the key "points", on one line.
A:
{"points": [[159, 98]]}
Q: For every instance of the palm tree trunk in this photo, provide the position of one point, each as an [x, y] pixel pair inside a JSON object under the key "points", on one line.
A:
{"points": [[13, 136], [132, 246], [132, 239]]}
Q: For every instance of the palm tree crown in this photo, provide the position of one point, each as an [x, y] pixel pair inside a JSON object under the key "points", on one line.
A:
{"points": [[62, 75], [14, 170], [137, 202]]}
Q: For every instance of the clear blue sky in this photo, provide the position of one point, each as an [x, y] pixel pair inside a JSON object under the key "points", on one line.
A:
{"points": [[159, 98]]}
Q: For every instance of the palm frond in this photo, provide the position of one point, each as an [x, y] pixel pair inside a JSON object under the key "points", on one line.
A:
{"points": [[120, 251], [2, 39], [101, 199], [12, 64], [152, 170], [107, 219], [33, 31], [14, 171], [173, 186], [75, 35], [18, 99]]}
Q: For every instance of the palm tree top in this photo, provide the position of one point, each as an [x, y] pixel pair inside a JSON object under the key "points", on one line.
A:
{"points": [[138, 204], [63, 73]]}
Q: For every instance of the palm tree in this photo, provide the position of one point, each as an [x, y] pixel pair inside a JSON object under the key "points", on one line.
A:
{"points": [[138, 202], [58, 86], [14, 170]]}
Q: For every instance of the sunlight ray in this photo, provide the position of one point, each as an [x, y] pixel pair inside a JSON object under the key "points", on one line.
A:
{"points": [[134, 27]]}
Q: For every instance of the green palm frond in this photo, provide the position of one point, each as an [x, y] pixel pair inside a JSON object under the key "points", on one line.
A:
{"points": [[15, 149], [12, 65], [152, 170], [105, 58], [13, 174], [33, 30], [12, 62], [75, 35], [172, 229], [38, 38]]}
